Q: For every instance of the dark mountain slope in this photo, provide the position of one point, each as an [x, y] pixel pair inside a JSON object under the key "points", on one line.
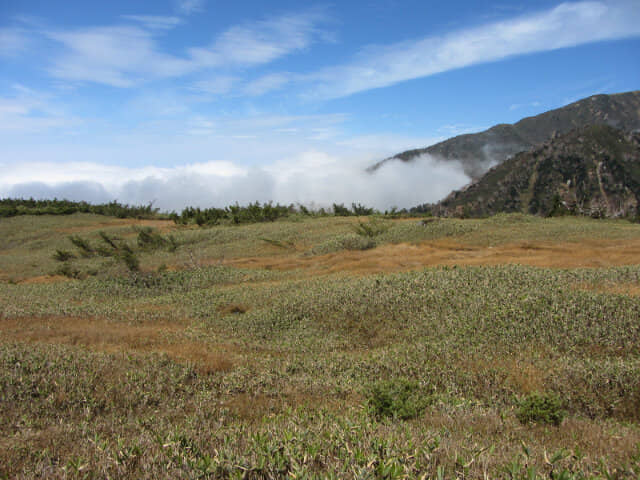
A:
{"points": [[478, 151], [591, 171]]}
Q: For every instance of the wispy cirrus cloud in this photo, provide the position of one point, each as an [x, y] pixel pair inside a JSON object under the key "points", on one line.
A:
{"points": [[120, 56], [127, 55], [517, 106], [567, 25], [13, 42], [187, 7], [155, 22], [215, 85], [261, 42], [267, 83], [28, 111]]}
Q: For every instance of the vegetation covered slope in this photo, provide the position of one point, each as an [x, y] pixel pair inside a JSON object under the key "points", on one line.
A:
{"points": [[478, 151], [287, 349], [590, 171]]}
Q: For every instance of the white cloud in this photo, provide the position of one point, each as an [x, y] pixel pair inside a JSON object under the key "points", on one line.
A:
{"points": [[187, 7], [159, 22], [312, 177], [258, 43], [267, 83], [127, 55], [13, 42], [119, 56], [567, 25], [216, 85], [29, 111], [517, 106]]}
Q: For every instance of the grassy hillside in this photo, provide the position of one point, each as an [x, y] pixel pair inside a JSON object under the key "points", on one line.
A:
{"points": [[332, 347]]}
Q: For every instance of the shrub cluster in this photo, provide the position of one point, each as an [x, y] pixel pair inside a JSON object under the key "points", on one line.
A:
{"points": [[148, 239], [11, 207], [252, 213]]}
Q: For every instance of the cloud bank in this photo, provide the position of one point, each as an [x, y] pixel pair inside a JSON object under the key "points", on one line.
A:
{"points": [[312, 178]]}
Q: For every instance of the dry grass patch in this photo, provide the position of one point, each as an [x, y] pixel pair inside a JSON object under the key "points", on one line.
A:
{"points": [[392, 258], [45, 279], [233, 308], [630, 289], [102, 335]]}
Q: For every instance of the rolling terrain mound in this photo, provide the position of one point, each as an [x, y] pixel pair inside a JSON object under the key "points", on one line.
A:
{"points": [[326, 347]]}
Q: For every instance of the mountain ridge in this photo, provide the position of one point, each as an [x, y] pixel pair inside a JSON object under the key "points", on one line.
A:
{"points": [[593, 170], [477, 152]]}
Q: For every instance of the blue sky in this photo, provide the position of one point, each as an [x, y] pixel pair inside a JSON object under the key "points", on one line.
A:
{"points": [[207, 102]]}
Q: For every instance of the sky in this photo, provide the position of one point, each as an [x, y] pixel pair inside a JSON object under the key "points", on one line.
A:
{"points": [[208, 103]]}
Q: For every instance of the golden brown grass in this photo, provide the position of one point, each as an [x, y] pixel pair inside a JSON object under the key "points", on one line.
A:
{"points": [[45, 279], [103, 335], [630, 289], [404, 256]]}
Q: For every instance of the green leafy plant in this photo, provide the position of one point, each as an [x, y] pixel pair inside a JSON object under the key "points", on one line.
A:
{"points": [[541, 408], [372, 228], [401, 398]]}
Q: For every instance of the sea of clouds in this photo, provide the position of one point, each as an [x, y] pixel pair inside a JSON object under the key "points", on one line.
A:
{"points": [[314, 178]]}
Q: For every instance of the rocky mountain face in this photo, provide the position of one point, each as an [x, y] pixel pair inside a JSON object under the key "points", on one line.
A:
{"points": [[592, 171], [478, 152]]}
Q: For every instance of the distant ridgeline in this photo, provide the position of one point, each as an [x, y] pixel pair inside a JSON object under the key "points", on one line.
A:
{"points": [[477, 152], [592, 171]]}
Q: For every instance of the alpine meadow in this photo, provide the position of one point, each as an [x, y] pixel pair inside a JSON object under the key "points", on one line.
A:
{"points": [[372, 239], [320, 346]]}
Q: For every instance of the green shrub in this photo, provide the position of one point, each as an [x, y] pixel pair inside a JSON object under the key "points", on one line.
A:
{"points": [[339, 210], [68, 270], [86, 250], [402, 399], [358, 243], [63, 255], [130, 259], [150, 239], [372, 228], [541, 408]]}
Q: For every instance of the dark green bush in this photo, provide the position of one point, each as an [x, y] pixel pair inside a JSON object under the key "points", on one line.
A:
{"points": [[83, 245], [358, 243], [130, 260], [68, 270], [150, 239], [372, 228], [63, 255], [540, 408], [339, 210], [402, 399]]}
